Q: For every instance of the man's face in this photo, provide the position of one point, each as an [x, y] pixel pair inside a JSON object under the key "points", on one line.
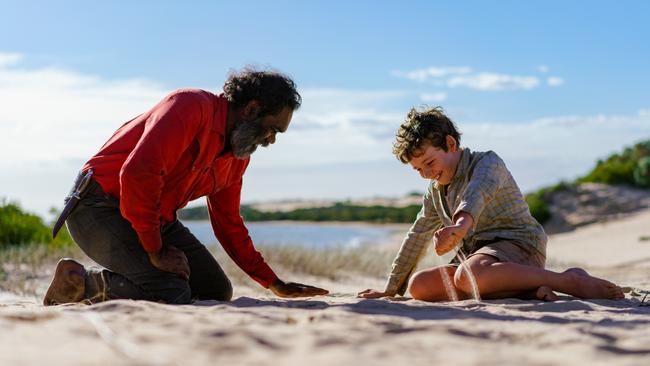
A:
{"points": [[437, 164], [255, 131]]}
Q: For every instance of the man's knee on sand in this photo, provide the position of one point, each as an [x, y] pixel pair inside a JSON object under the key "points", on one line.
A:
{"points": [[182, 293], [177, 291], [221, 293]]}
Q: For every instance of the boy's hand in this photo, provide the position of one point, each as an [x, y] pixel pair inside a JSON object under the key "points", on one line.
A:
{"points": [[448, 237], [372, 294]]}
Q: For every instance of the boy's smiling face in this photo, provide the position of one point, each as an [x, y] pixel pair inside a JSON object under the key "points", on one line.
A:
{"points": [[437, 164]]}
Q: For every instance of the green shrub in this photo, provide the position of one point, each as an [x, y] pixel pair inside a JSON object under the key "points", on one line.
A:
{"points": [[538, 207], [19, 227], [620, 168], [615, 170], [642, 173]]}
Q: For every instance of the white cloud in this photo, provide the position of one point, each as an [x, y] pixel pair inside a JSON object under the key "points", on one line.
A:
{"points": [[493, 81], [424, 75], [52, 114], [434, 97], [337, 125], [554, 81], [463, 76], [8, 59]]}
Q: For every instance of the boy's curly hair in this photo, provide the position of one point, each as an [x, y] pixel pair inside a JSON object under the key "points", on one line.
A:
{"points": [[273, 90], [422, 127]]}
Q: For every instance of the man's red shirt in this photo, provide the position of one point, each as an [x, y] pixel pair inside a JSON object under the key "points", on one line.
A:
{"points": [[159, 161]]}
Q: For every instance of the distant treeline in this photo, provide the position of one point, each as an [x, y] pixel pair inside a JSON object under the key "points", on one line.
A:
{"points": [[338, 212]]}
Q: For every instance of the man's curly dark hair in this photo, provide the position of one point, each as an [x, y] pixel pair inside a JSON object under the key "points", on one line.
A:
{"points": [[423, 127], [273, 90]]}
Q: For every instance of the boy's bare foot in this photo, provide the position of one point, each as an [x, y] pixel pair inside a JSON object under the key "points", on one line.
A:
{"points": [[586, 286], [545, 293], [68, 283]]}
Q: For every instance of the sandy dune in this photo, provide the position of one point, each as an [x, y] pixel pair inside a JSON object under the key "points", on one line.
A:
{"points": [[339, 329]]}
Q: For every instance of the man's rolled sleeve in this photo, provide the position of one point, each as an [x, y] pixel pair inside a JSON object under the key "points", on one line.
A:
{"points": [[484, 182], [414, 246]]}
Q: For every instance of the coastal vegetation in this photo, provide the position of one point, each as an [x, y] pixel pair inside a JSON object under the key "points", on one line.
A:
{"points": [[18, 227], [631, 167]]}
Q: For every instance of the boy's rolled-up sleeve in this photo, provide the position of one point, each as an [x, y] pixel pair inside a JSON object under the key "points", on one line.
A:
{"points": [[414, 246], [484, 181]]}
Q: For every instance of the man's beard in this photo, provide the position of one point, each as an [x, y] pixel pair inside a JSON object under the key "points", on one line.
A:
{"points": [[246, 137]]}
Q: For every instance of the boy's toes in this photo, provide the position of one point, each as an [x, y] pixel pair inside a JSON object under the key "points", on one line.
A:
{"points": [[545, 293], [618, 293]]}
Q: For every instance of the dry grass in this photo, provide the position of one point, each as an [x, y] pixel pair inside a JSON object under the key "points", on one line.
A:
{"points": [[335, 263], [27, 270]]}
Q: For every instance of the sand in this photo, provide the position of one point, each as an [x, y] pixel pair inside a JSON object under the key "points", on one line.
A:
{"points": [[340, 329]]}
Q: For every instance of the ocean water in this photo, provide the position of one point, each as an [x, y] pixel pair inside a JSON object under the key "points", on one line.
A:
{"points": [[303, 234]]}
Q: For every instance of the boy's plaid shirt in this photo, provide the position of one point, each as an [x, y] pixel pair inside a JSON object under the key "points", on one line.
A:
{"points": [[483, 187]]}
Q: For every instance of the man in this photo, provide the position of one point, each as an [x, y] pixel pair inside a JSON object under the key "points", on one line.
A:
{"points": [[191, 144]]}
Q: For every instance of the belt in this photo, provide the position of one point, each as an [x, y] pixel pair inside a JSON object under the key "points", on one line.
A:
{"points": [[83, 184], [94, 188]]}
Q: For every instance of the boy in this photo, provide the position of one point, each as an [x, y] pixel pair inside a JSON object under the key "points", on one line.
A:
{"points": [[474, 203]]}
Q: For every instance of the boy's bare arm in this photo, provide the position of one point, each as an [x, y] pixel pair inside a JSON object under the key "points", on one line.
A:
{"points": [[412, 249], [449, 237]]}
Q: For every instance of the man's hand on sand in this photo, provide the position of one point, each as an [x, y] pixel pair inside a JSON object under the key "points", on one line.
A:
{"points": [[372, 294], [171, 259], [293, 289]]}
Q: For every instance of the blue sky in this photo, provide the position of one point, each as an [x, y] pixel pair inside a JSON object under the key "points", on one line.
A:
{"points": [[551, 86]]}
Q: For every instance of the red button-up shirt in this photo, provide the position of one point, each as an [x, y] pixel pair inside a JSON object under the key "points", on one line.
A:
{"points": [[159, 161]]}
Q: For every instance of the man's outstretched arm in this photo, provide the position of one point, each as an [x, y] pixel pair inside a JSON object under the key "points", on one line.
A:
{"points": [[231, 232]]}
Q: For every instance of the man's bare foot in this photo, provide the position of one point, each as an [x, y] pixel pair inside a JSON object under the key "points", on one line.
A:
{"points": [[68, 283], [545, 293], [586, 286]]}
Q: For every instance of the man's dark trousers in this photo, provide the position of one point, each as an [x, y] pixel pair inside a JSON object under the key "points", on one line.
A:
{"points": [[99, 229]]}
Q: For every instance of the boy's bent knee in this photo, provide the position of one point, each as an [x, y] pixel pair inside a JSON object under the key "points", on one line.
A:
{"points": [[418, 287], [465, 279], [468, 273], [462, 281]]}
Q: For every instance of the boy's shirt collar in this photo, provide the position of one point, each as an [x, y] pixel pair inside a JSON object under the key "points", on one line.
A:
{"points": [[463, 165]]}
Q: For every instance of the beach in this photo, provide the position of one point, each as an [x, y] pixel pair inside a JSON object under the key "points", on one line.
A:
{"points": [[258, 328]]}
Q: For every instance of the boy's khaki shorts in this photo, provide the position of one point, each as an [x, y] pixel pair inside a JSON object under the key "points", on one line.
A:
{"points": [[506, 250]]}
